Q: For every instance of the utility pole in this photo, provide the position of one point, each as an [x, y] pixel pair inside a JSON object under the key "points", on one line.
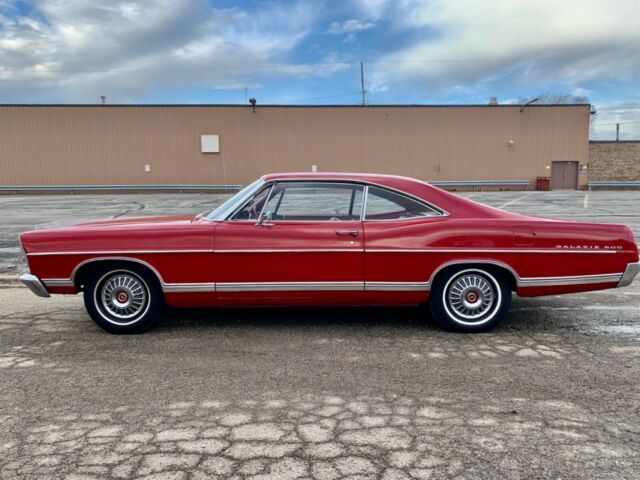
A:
{"points": [[617, 132], [362, 83]]}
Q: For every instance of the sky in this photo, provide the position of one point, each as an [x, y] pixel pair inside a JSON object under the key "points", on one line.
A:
{"points": [[309, 52]]}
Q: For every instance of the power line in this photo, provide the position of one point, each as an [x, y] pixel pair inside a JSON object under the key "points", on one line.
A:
{"points": [[616, 123]]}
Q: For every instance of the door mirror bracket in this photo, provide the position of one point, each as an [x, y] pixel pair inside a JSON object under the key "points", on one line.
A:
{"points": [[265, 219]]}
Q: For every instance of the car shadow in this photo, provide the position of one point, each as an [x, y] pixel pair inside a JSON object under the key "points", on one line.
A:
{"points": [[308, 317], [527, 316]]}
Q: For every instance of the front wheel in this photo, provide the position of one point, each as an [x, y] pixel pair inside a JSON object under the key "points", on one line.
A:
{"points": [[470, 299], [123, 299]]}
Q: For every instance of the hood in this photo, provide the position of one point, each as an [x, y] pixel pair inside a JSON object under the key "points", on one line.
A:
{"points": [[169, 219]]}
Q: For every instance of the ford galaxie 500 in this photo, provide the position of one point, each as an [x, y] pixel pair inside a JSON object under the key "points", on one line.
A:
{"points": [[309, 239]]}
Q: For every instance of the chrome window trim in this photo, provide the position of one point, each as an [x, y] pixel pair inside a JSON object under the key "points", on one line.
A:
{"points": [[338, 182], [248, 193], [243, 204], [374, 184], [439, 212]]}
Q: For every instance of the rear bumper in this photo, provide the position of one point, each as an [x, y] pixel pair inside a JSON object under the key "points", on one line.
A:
{"points": [[629, 274], [34, 284]]}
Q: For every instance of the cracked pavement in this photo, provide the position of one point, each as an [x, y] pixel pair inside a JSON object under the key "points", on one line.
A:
{"points": [[373, 393]]}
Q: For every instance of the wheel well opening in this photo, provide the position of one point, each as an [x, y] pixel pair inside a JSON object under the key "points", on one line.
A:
{"points": [[81, 275], [488, 267]]}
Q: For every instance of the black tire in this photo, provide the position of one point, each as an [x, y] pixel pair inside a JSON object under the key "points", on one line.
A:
{"points": [[470, 299], [123, 298]]}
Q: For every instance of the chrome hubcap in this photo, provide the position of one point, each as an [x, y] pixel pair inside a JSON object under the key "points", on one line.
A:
{"points": [[124, 296], [471, 296]]}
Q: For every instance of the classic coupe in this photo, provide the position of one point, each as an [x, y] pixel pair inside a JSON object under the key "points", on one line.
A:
{"points": [[311, 239]]}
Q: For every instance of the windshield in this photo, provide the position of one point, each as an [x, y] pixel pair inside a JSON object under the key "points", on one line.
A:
{"points": [[234, 202]]}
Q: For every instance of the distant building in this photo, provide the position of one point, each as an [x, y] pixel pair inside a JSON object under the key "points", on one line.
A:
{"points": [[129, 145], [614, 161]]}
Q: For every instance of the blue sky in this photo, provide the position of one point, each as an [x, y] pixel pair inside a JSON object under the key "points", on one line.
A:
{"points": [[304, 51]]}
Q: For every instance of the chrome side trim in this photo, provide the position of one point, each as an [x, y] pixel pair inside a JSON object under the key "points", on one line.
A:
{"points": [[481, 250], [126, 259], [302, 250], [397, 286], [117, 252], [289, 286], [629, 274], [57, 282], [573, 280], [35, 285], [476, 261], [188, 287]]}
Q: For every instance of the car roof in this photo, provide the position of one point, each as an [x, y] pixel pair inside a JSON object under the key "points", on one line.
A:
{"points": [[441, 199], [381, 179]]}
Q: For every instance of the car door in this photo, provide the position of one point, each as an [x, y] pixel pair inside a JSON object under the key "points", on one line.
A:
{"points": [[398, 229], [294, 243]]}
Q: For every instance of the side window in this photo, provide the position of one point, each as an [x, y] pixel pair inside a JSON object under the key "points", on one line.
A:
{"points": [[251, 210], [315, 201], [387, 205]]}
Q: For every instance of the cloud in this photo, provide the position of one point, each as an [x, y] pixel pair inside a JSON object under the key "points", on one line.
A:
{"points": [[77, 50], [349, 26], [517, 44], [372, 9], [603, 124]]}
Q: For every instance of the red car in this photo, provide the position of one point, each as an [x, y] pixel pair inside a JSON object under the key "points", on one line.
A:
{"points": [[309, 239]]}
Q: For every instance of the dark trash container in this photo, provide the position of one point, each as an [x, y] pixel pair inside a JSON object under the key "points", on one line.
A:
{"points": [[542, 183]]}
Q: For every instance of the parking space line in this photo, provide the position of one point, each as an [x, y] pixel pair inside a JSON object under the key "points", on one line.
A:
{"points": [[512, 201]]}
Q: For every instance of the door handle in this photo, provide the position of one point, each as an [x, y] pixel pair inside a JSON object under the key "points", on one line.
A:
{"points": [[347, 233]]}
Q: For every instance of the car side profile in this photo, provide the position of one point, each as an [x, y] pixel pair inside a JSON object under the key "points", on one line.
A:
{"points": [[313, 239]]}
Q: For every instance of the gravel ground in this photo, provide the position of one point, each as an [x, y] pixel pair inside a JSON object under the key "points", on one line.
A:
{"points": [[317, 393]]}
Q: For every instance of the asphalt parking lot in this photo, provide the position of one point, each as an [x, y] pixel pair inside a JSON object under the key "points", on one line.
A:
{"points": [[317, 393]]}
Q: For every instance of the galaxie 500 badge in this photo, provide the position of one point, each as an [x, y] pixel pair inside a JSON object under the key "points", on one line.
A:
{"points": [[590, 247]]}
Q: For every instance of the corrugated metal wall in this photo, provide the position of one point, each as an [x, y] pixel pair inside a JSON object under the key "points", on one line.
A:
{"points": [[98, 145]]}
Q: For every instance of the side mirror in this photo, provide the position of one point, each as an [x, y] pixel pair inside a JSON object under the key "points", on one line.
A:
{"points": [[265, 219]]}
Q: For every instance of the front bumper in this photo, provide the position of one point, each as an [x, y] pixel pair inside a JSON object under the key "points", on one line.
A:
{"points": [[34, 284], [629, 274]]}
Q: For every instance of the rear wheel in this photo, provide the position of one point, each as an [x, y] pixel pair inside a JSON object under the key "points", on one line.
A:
{"points": [[123, 298], [470, 299]]}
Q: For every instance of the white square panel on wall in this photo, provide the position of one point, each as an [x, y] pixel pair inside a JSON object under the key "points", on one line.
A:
{"points": [[210, 143]]}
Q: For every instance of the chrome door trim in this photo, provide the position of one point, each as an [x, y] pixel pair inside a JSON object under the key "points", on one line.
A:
{"points": [[188, 287], [482, 250], [397, 286], [117, 252], [307, 250], [289, 286]]}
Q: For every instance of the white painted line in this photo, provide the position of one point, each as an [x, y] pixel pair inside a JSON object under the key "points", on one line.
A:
{"points": [[586, 201], [512, 201]]}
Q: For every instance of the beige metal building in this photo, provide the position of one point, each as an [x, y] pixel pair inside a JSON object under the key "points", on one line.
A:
{"points": [[129, 145]]}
